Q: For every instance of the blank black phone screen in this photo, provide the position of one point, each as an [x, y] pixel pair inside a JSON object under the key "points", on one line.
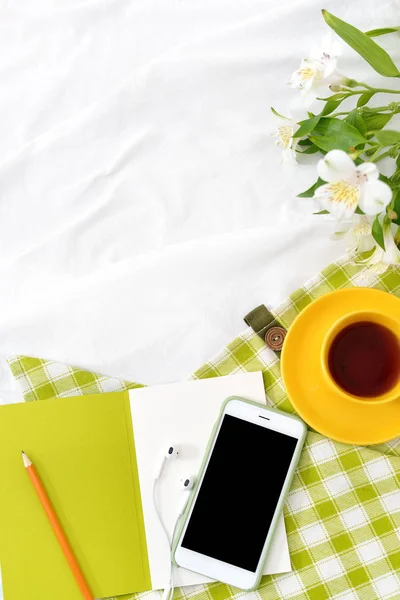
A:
{"points": [[239, 493]]}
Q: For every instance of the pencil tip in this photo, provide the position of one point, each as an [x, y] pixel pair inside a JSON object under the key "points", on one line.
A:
{"points": [[26, 461]]}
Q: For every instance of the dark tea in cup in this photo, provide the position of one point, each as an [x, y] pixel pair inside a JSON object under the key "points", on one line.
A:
{"points": [[364, 359]]}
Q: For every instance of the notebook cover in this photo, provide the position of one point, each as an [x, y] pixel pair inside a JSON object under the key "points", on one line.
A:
{"points": [[83, 449]]}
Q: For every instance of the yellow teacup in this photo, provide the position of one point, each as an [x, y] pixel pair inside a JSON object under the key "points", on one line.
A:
{"points": [[360, 357], [306, 366]]}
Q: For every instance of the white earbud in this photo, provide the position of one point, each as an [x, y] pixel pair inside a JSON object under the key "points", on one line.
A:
{"points": [[187, 484], [171, 453]]}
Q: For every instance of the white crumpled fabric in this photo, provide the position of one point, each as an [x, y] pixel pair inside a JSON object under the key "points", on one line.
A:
{"points": [[144, 208]]}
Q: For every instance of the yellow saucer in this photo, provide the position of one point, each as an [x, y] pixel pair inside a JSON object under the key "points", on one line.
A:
{"points": [[323, 407]]}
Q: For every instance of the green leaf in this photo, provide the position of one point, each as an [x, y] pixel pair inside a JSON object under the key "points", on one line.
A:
{"points": [[387, 137], [377, 232], [305, 142], [330, 106], [376, 56], [384, 179], [364, 98], [275, 112], [331, 134], [310, 192], [306, 127], [339, 96], [376, 121], [381, 31], [395, 178], [355, 119], [322, 212], [311, 150], [358, 211], [374, 149], [396, 207]]}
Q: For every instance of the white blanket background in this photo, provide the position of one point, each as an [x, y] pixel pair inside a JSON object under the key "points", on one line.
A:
{"points": [[144, 208]]}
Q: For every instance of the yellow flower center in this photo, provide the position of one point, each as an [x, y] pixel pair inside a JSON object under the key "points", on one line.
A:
{"points": [[361, 229], [343, 192], [306, 73], [285, 133]]}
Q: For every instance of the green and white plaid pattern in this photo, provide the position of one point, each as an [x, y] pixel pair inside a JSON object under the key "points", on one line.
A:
{"points": [[342, 514]]}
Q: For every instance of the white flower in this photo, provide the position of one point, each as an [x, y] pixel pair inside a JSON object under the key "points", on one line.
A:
{"points": [[380, 259], [361, 233], [318, 70], [327, 53], [358, 234], [284, 136], [350, 186]]}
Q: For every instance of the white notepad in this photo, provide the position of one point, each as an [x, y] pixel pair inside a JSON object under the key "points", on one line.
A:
{"points": [[184, 414]]}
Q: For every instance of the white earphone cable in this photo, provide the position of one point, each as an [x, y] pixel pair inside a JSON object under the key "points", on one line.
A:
{"points": [[159, 513], [171, 566], [172, 452], [169, 591]]}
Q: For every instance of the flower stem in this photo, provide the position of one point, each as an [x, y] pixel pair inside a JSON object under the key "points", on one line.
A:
{"points": [[376, 159], [375, 156], [376, 109], [385, 91], [338, 114], [378, 90], [391, 205]]}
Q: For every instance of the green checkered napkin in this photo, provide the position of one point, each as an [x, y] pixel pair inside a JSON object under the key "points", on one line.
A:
{"points": [[342, 514]]}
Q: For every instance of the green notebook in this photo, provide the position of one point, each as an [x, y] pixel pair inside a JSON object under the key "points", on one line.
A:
{"points": [[84, 452]]}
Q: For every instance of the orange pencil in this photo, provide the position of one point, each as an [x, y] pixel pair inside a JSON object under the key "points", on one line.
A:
{"points": [[55, 523]]}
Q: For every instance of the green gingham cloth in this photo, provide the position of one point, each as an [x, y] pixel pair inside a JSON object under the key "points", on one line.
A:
{"points": [[342, 514]]}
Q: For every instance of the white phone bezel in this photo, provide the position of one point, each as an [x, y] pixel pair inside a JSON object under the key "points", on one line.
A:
{"points": [[211, 567]]}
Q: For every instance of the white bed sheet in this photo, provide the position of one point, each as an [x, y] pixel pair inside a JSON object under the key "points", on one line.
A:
{"points": [[143, 205], [144, 208]]}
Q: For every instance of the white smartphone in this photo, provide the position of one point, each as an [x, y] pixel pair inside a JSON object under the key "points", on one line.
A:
{"points": [[246, 472]]}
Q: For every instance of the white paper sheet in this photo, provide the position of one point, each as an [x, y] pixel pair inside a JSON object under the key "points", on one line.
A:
{"points": [[184, 414]]}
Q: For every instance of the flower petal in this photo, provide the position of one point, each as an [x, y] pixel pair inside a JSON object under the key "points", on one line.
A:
{"points": [[378, 268], [374, 197], [363, 228], [285, 135], [331, 45], [297, 111], [375, 257], [303, 77], [381, 259], [289, 156], [295, 143], [336, 165], [330, 66], [308, 96], [327, 46], [365, 243], [340, 198], [391, 255], [368, 170]]}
